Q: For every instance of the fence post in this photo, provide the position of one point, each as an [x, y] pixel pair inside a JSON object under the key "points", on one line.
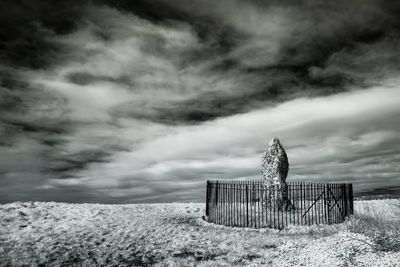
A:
{"points": [[351, 199], [207, 199], [247, 205], [328, 204], [344, 201]]}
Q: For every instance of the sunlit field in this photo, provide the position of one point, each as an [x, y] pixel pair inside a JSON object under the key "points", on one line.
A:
{"points": [[176, 235]]}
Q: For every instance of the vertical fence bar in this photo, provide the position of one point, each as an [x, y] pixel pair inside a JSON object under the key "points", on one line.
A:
{"points": [[208, 199], [224, 205], [261, 201], [335, 203], [271, 208], [309, 193], [257, 204], [348, 199], [340, 191], [297, 204], [243, 201], [345, 207], [343, 203], [315, 196], [303, 199], [274, 206], [278, 209], [287, 212], [325, 205], [294, 204], [252, 206], [210, 205], [231, 193], [300, 219], [339, 208], [333, 206], [262, 206], [247, 205], [251, 203], [282, 208], [319, 205], [221, 194], [328, 203], [301, 202], [291, 198], [237, 204], [239, 191], [220, 202], [216, 202], [310, 202], [234, 205], [230, 204], [305, 215], [314, 213], [351, 199], [240, 203], [227, 204], [345, 196], [304, 191]]}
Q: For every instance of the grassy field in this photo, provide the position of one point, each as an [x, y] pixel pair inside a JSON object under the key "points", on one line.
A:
{"points": [[58, 234]]}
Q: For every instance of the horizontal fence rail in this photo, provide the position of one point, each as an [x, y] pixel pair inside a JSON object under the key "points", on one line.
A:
{"points": [[248, 204]]}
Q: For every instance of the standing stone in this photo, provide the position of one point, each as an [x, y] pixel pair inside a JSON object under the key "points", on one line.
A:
{"points": [[274, 168]]}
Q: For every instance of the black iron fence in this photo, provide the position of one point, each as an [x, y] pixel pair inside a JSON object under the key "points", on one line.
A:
{"points": [[246, 204]]}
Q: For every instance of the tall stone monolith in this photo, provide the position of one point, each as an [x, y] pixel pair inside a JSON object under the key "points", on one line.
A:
{"points": [[274, 168]]}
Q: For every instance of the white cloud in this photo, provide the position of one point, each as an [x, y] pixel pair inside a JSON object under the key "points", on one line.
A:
{"points": [[318, 133]]}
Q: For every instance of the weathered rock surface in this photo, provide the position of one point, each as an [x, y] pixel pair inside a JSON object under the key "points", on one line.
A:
{"points": [[274, 168]]}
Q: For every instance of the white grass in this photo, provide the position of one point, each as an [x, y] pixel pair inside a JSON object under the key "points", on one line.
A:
{"points": [[175, 235]]}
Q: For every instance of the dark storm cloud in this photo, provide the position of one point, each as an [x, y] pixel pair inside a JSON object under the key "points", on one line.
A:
{"points": [[71, 163], [273, 51], [26, 25], [140, 100]]}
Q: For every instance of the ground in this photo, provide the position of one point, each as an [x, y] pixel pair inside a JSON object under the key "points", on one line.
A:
{"points": [[59, 234]]}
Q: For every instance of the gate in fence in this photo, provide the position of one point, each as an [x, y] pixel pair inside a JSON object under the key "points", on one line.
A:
{"points": [[245, 204]]}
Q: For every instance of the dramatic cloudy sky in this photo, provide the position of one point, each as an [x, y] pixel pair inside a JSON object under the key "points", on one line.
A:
{"points": [[120, 101]]}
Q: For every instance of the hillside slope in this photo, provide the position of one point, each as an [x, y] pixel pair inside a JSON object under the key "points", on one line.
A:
{"points": [[175, 235]]}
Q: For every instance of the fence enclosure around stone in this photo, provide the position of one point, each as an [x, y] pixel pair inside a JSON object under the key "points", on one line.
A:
{"points": [[246, 204]]}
